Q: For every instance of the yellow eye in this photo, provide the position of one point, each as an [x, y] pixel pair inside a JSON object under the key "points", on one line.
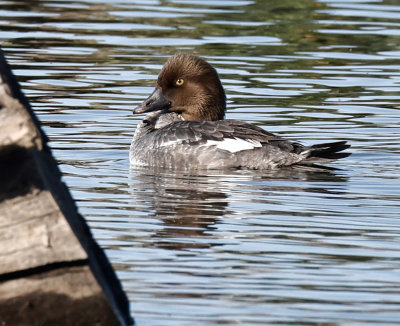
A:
{"points": [[179, 82]]}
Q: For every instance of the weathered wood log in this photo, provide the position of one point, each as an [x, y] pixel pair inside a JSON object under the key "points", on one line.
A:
{"points": [[52, 272]]}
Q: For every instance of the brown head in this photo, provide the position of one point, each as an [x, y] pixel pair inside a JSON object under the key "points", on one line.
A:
{"points": [[190, 86]]}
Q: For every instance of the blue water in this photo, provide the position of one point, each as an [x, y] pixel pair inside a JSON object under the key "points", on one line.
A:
{"points": [[244, 247]]}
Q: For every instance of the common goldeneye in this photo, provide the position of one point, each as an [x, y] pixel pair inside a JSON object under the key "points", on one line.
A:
{"points": [[185, 128]]}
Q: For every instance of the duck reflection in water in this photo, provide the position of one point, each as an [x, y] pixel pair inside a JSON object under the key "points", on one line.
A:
{"points": [[191, 206]]}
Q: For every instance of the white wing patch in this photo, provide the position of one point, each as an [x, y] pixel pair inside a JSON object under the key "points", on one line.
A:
{"points": [[234, 145]]}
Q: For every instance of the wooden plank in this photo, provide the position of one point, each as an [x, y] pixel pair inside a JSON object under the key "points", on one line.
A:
{"points": [[67, 296], [52, 272], [33, 232]]}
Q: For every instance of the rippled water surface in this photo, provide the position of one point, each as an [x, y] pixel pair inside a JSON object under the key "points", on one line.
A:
{"points": [[241, 247]]}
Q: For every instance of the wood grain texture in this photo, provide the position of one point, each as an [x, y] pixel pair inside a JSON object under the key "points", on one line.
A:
{"points": [[67, 296], [33, 232]]}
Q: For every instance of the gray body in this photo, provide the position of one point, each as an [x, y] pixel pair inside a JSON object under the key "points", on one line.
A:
{"points": [[165, 140]]}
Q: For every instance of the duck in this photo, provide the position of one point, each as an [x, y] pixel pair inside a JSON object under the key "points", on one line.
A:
{"points": [[185, 128]]}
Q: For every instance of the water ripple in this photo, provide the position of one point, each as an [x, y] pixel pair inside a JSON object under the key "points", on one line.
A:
{"points": [[236, 247]]}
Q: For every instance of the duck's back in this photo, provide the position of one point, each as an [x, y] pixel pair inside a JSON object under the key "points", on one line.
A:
{"points": [[192, 145]]}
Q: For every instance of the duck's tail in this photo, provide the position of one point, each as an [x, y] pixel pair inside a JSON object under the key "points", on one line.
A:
{"points": [[323, 153]]}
